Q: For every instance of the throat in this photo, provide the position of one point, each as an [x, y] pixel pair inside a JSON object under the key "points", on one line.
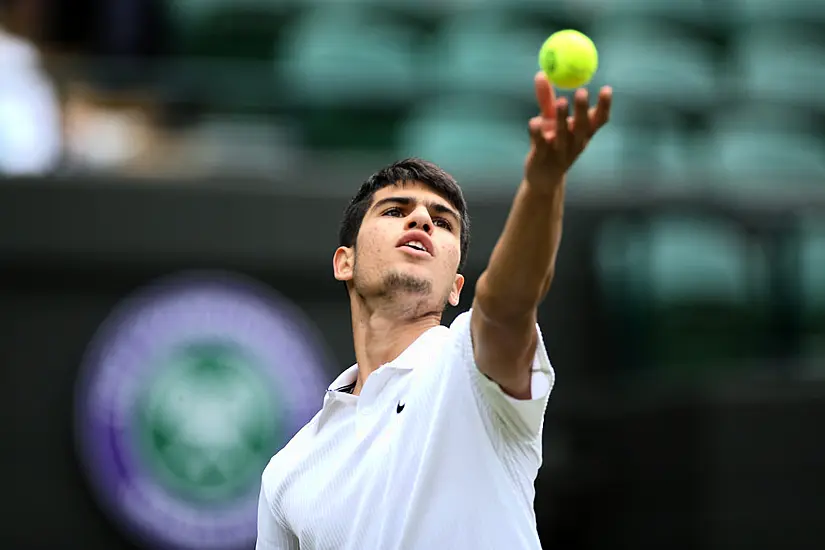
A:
{"points": [[379, 340]]}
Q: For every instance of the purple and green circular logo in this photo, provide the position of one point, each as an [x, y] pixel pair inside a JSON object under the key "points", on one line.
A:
{"points": [[187, 390]]}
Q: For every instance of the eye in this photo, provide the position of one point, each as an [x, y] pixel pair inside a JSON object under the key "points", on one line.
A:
{"points": [[394, 212], [443, 223]]}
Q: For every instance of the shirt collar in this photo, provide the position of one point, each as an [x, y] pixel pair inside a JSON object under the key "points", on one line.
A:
{"points": [[344, 379], [402, 362]]}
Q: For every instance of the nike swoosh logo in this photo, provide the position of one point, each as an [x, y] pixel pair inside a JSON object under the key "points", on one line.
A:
{"points": [[400, 407]]}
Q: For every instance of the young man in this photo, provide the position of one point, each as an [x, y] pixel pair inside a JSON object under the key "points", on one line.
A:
{"points": [[432, 440]]}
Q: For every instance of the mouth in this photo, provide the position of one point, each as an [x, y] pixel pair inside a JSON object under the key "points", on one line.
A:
{"points": [[416, 242]]}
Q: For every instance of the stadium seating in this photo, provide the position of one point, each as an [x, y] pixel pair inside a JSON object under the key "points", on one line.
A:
{"points": [[483, 52], [470, 138], [244, 29], [224, 51], [768, 11], [335, 56], [607, 160], [764, 145], [327, 57], [688, 11], [812, 284], [696, 290], [648, 61], [778, 63], [767, 160], [696, 260]]}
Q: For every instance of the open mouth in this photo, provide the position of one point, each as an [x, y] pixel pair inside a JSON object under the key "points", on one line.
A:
{"points": [[417, 241], [415, 245]]}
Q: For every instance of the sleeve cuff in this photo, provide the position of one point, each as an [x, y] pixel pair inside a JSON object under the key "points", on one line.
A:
{"points": [[524, 417]]}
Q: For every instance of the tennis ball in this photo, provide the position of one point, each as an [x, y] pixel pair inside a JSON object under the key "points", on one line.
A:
{"points": [[569, 59]]}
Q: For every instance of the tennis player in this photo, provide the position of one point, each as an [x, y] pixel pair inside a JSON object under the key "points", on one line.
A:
{"points": [[432, 440]]}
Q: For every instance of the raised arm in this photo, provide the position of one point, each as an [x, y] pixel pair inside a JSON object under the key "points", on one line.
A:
{"points": [[522, 264]]}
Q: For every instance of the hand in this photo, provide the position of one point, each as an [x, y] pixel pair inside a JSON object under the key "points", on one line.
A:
{"points": [[557, 139]]}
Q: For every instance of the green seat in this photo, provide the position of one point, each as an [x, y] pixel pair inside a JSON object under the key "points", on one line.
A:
{"points": [[189, 14], [484, 53], [224, 53], [337, 56], [757, 146], [349, 130], [760, 117], [482, 145], [709, 289], [772, 12], [813, 266], [812, 286], [777, 161], [780, 65], [617, 155], [423, 8], [246, 29], [561, 14], [697, 260], [638, 146], [683, 160], [691, 11], [652, 63], [693, 288]]}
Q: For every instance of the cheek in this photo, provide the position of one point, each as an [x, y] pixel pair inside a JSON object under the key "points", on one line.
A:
{"points": [[370, 241], [451, 255]]}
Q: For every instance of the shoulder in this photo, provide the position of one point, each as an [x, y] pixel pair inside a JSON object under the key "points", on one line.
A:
{"points": [[288, 458], [461, 323], [519, 420]]}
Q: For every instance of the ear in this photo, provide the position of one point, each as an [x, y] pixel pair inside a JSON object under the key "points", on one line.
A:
{"points": [[455, 293], [343, 262]]}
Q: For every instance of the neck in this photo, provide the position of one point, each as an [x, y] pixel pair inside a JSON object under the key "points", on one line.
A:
{"points": [[382, 332]]}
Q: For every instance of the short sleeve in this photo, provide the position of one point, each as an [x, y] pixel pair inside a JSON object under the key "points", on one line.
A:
{"points": [[522, 419], [272, 534]]}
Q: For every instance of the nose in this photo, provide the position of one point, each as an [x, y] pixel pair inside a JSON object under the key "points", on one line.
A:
{"points": [[420, 219]]}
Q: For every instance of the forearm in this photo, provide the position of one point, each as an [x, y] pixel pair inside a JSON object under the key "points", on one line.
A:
{"points": [[522, 264]]}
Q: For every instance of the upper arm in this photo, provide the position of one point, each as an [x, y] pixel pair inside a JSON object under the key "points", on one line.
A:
{"points": [[504, 346], [517, 417], [272, 533]]}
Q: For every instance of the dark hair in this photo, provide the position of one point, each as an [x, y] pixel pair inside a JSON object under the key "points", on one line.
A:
{"points": [[407, 170]]}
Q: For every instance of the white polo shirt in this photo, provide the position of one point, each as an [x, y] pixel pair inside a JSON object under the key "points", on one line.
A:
{"points": [[431, 455]]}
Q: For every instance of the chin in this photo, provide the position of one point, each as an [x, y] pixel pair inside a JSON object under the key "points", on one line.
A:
{"points": [[415, 281]]}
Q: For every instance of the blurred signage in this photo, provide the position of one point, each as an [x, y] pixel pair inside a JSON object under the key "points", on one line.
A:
{"points": [[187, 390]]}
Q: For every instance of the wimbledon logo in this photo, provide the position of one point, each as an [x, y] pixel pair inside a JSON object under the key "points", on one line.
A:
{"points": [[186, 392]]}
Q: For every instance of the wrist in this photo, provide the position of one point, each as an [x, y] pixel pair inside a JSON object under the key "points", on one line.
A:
{"points": [[544, 186]]}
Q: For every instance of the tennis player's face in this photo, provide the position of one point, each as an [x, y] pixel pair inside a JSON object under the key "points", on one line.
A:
{"points": [[408, 245]]}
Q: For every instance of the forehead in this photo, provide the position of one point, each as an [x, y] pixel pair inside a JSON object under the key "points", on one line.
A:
{"points": [[413, 189]]}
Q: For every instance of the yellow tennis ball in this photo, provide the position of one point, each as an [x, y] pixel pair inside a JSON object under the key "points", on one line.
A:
{"points": [[569, 59]]}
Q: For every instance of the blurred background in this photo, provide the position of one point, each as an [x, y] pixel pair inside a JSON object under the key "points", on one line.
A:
{"points": [[142, 139]]}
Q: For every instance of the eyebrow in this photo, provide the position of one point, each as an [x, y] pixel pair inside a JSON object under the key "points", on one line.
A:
{"points": [[406, 201]]}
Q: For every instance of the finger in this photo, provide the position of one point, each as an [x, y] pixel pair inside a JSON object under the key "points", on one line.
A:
{"points": [[562, 131], [545, 96], [600, 114], [535, 126], [581, 120]]}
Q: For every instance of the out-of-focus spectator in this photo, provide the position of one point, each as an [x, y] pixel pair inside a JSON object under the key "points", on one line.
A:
{"points": [[109, 54], [30, 120]]}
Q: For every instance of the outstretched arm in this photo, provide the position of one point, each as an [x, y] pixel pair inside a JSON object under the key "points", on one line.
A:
{"points": [[522, 264]]}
